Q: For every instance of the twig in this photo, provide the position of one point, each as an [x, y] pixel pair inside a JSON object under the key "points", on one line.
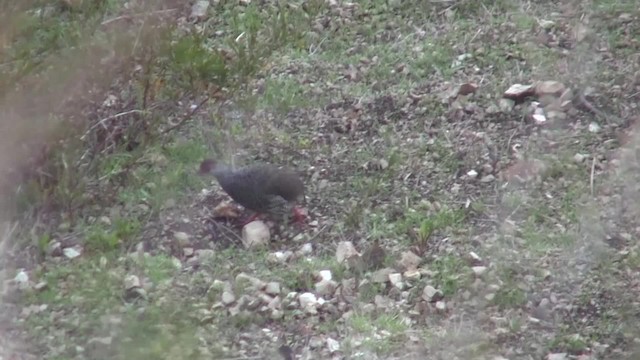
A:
{"points": [[186, 118], [115, 116], [129, 16], [593, 168], [135, 44]]}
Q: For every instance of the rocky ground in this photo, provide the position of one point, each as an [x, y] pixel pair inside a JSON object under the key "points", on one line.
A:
{"points": [[471, 186]]}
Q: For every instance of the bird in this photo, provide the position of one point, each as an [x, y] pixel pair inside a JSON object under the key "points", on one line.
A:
{"points": [[262, 188]]}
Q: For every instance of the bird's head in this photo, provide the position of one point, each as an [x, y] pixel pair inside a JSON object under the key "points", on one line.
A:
{"points": [[207, 166]]}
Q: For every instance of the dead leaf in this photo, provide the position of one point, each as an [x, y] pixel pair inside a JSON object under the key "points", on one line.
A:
{"points": [[467, 88]]}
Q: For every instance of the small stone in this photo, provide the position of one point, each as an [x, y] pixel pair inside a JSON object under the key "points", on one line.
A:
{"points": [[255, 234], [441, 306], [21, 277], [382, 302], [105, 220], [182, 238], [519, 91], [475, 256], [472, 174], [579, 158], [382, 275], [131, 281], [431, 294], [315, 342], [625, 17], [333, 345], [409, 261], [279, 257], [199, 9], [306, 249], [54, 248], [479, 270], [176, 263], [272, 288], [244, 281], [594, 127], [557, 356], [228, 297], [277, 315], [41, 286], [275, 303], [70, 253], [345, 250], [396, 280], [324, 183], [308, 302], [204, 254], [100, 341], [487, 178], [325, 274], [506, 105], [188, 251], [326, 287], [550, 88], [412, 274]]}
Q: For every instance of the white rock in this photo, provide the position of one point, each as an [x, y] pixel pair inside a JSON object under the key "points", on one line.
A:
{"points": [[199, 9], [182, 238], [308, 301], [204, 254], [333, 345], [279, 257], [594, 127], [326, 287], [431, 294], [412, 274], [21, 277], [70, 253], [557, 356], [409, 261], [441, 306], [325, 274], [273, 288], [479, 270], [275, 303], [188, 251], [131, 282], [306, 249], [345, 250], [255, 234], [396, 280], [228, 297], [382, 275], [472, 174], [244, 280]]}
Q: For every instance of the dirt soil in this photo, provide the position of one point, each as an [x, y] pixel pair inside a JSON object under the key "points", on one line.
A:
{"points": [[480, 226]]}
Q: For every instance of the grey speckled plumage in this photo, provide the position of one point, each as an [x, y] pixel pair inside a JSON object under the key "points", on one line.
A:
{"points": [[263, 188]]}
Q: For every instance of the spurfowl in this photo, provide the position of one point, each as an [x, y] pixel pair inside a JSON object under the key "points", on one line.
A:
{"points": [[263, 188]]}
